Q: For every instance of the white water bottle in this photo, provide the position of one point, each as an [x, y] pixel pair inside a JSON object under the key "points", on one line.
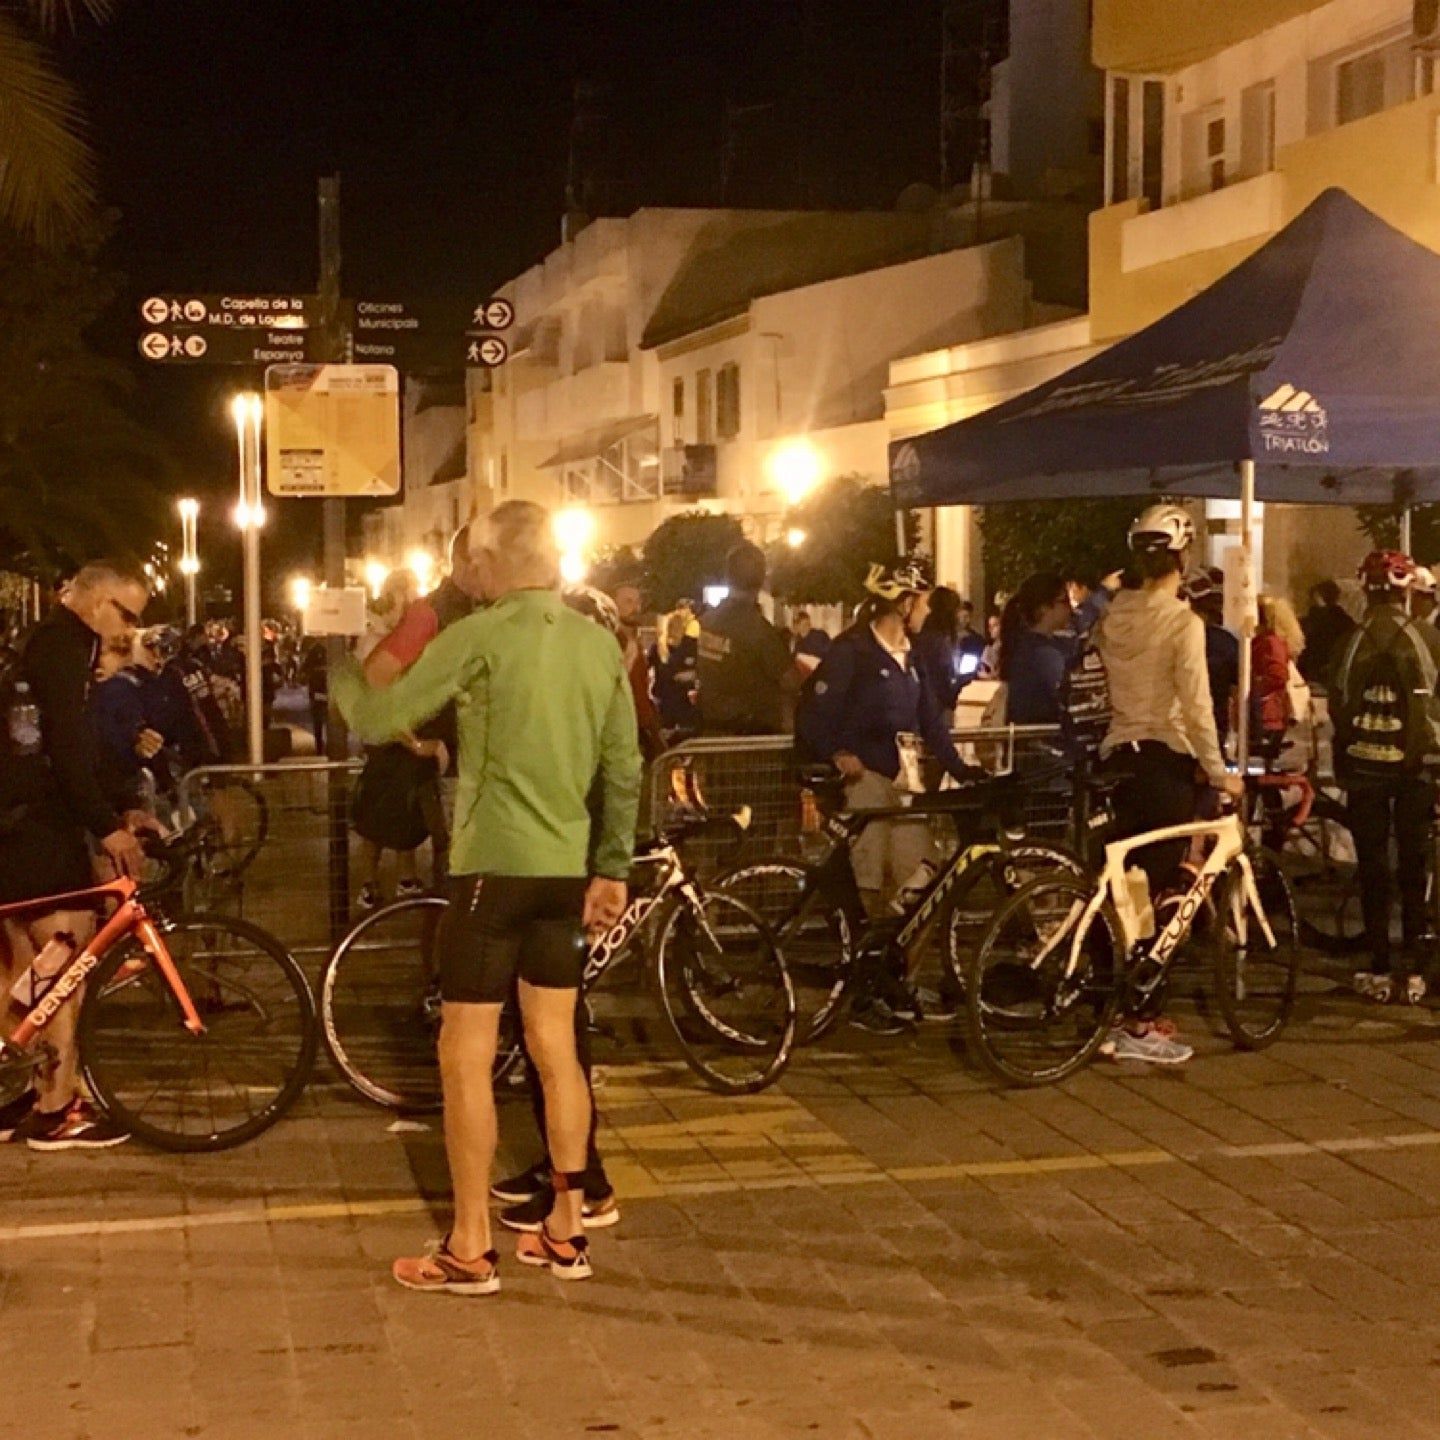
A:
{"points": [[24, 722], [42, 971], [913, 887], [1133, 902]]}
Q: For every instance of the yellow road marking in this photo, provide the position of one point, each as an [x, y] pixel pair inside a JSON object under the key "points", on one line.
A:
{"points": [[635, 1182]]}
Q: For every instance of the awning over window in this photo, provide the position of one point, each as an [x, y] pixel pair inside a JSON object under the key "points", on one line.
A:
{"points": [[591, 443]]}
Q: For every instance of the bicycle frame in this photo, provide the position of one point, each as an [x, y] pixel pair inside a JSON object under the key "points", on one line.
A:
{"points": [[837, 870], [1228, 850], [612, 943], [129, 918]]}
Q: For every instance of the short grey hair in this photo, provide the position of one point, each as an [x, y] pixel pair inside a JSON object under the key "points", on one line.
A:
{"points": [[519, 537], [95, 573]]}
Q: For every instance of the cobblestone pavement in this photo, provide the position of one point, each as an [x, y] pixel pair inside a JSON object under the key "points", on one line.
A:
{"points": [[882, 1247]]}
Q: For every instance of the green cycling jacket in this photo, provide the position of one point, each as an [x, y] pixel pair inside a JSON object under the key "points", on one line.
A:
{"points": [[544, 712]]}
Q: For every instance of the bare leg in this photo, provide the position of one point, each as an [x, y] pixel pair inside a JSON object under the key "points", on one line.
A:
{"points": [[468, 1035], [549, 1017], [370, 862], [57, 1086], [405, 867]]}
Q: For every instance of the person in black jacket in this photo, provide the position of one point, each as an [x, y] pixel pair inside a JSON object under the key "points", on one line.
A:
{"points": [[744, 661], [52, 801], [868, 690]]}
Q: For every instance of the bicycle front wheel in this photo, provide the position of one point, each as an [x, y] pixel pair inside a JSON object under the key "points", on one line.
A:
{"points": [[986, 885], [239, 817], [1043, 987], [1255, 980], [724, 990], [182, 1091], [814, 935], [380, 1007]]}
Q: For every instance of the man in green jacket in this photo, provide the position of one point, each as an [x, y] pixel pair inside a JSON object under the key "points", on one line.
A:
{"points": [[544, 709]]}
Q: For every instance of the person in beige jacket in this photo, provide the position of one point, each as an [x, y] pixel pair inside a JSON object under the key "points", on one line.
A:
{"points": [[1161, 744]]}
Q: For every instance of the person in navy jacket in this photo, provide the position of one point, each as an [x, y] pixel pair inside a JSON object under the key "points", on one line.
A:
{"points": [[867, 690]]}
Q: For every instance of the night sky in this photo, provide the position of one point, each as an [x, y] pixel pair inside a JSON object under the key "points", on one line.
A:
{"points": [[450, 123]]}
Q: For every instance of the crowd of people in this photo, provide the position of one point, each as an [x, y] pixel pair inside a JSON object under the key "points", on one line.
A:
{"points": [[542, 706]]}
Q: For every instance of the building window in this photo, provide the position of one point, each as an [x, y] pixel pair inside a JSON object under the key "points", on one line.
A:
{"points": [[677, 411], [1152, 141], [727, 402], [1119, 140], [504, 472], [1351, 84], [704, 409], [1202, 152], [1257, 130]]}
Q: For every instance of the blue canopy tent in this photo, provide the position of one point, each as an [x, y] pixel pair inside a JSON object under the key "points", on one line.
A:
{"points": [[1310, 373]]}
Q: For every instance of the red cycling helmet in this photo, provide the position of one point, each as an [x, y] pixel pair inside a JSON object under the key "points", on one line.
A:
{"points": [[1387, 570]]}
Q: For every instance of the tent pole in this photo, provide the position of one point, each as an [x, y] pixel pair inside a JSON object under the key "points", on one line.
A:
{"points": [[1405, 537], [1247, 611]]}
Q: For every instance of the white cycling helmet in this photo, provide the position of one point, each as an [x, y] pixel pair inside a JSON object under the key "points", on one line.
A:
{"points": [[1424, 581], [905, 577], [1162, 527]]}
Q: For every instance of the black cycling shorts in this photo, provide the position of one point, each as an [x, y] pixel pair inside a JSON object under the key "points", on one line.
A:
{"points": [[499, 927]]}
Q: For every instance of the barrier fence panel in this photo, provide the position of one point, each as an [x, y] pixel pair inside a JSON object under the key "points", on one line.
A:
{"points": [[761, 772], [272, 862]]}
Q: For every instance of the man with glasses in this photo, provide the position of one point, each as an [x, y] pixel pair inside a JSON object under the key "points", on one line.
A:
{"points": [[50, 802]]}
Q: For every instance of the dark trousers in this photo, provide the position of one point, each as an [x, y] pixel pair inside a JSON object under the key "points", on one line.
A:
{"points": [[1157, 788], [597, 1183], [1376, 810]]}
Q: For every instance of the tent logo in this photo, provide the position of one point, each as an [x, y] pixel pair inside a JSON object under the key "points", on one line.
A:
{"points": [[1293, 422], [905, 467]]}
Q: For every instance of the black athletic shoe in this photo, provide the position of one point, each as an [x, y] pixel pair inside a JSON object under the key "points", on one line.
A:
{"points": [[79, 1127], [597, 1212], [524, 1186], [13, 1114], [877, 1018]]}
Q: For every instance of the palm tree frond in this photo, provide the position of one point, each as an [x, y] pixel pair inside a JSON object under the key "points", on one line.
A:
{"points": [[46, 171], [53, 15]]}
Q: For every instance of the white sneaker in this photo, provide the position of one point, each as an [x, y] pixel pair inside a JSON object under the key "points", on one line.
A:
{"points": [[1379, 988], [1414, 989], [1152, 1047]]}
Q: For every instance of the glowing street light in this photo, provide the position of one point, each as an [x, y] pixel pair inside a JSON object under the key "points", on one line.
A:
{"points": [[377, 572], [795, 537], [574, 531], [421, 564], [301, 590], [795, 469], [247, 410], [189, 552]]}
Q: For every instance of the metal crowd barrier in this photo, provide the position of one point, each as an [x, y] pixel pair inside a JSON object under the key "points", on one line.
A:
{"points": [[275, 864], [761, 772]]}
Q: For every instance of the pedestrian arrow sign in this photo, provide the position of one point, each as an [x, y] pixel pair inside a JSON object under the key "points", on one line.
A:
{"points": [[490, 350]]}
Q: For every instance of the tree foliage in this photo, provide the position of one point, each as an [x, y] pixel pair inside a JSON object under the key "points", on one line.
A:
{"points": [[847, 525], [686, 553], [78, 474], [1086, 537], [1381, 526], [616, 565], [47, 184]]}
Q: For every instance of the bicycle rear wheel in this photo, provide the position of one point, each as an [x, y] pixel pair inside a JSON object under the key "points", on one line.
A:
{"points": [[1255, 981], [724, 990], [1038, 1005], [814, 935], [211, 1091], [380, 1007], [986, 886], [1319, 861]]}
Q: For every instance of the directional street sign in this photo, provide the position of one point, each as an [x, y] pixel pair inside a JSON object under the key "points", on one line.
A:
{"points": [[486, 350], [227, 312], [392, 332], [247, 346], [493, 315]]}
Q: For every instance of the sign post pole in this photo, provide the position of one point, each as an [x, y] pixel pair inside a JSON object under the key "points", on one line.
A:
{"points": [[334, 348]]}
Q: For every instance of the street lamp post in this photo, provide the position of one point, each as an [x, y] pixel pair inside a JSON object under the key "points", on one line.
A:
{"points": [[246, 410], [189, 554]]}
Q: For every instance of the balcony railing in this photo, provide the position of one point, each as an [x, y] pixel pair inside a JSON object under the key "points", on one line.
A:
{"points": [[1238, 212]]}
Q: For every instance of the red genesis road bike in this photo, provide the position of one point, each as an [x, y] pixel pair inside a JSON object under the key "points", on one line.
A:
{"points": [[195, 1032]]}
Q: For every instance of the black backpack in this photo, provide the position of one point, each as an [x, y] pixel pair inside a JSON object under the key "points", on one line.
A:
{"points": [[1084, 702], [1387, 720]]}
